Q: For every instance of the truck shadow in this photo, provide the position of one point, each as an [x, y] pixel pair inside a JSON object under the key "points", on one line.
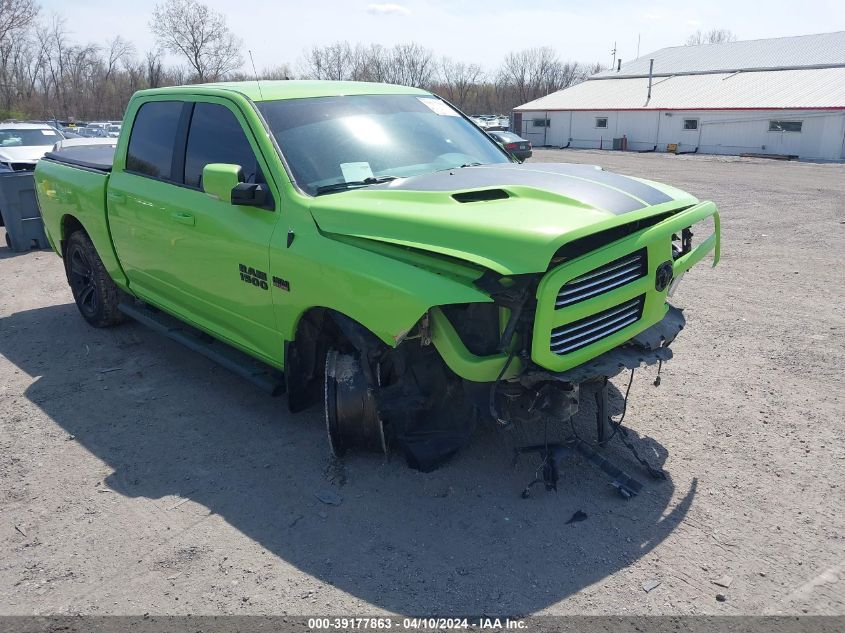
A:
{"points": [[457, 541]]}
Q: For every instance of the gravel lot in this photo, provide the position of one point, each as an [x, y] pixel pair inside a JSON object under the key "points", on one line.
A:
{"points": [[138, 477]]}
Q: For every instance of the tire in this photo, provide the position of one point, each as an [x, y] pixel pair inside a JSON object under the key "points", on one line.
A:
{"points": [[352, 417], [96, 295]]}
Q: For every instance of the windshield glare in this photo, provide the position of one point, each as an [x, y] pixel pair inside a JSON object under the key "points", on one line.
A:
{"points": [[27, 136], [329, 140]]}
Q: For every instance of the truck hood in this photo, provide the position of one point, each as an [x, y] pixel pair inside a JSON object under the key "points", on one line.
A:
{"points": [[510, 218], [23, 153]]}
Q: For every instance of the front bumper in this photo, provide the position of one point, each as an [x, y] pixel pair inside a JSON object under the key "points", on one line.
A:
{"points": [[647, 348], [601, 357]]}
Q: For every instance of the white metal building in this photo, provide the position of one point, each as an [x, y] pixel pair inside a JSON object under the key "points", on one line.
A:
{"points": [[773, 96]]}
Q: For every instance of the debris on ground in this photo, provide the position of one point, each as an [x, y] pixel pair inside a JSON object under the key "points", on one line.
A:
{"points": [[22, 533], [179, 503], [651, 584], [724, 581], [720, 597], [329, 497], [577, 517]]}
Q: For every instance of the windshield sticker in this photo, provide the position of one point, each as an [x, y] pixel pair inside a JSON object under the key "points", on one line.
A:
{"points": [[437, 106], [48, 132], [356, 172]]}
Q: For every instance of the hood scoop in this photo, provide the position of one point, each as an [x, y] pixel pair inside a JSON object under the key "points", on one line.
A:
{"points": [[481, 195]]}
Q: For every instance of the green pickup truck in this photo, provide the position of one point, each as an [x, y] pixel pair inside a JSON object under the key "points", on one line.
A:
{"points": [[367, 247]]}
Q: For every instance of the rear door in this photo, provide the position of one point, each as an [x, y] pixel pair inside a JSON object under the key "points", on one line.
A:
{"points": [[138, 195]]}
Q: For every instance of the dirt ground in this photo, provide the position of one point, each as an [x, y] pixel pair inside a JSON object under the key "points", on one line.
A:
{"points": [[138, 477]]}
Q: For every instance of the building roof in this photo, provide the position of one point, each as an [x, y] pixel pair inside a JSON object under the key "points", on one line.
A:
{"points": [[802, 51], [803, 72], [774, 89], [292, 89]]}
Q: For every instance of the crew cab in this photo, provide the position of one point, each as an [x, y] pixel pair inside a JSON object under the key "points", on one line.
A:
{"points": [[376, 250]]}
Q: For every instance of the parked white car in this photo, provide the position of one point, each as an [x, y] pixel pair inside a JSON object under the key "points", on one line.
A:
{"points": [[24, 144]]}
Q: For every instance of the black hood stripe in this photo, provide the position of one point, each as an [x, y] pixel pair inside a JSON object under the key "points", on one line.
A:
{"points": [[641, 190], [608, 192]]}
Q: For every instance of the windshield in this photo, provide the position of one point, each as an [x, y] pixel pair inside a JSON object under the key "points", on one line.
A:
{"points": [[28, 136], [364, 139]]}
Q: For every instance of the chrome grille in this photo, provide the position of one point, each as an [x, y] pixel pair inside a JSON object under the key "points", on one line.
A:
{"points": [[573, 336], [603, 279]]}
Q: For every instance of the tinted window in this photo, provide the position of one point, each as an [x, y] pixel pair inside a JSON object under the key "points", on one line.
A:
{"points": [[690, 124], [153, 135], [216, 136], [601, 122]]}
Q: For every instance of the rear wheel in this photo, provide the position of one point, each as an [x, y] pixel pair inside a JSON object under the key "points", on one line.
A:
{"points": [[96, 295]]}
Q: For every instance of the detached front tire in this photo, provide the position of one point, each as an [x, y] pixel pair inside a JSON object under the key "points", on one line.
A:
{"points": [[96, 295]]}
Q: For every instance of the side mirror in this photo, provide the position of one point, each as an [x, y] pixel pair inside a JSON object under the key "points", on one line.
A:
{"points": [[219, 179], [249, 194]]}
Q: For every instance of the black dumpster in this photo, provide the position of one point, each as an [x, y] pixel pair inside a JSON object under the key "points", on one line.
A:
{"points": [[19, 211]]}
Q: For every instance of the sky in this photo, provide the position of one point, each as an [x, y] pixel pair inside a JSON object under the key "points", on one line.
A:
{"points": [[480, 32]]}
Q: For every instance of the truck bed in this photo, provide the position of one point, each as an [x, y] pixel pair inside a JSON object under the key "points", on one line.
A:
{"points": [[97, 157], [73, 183]]}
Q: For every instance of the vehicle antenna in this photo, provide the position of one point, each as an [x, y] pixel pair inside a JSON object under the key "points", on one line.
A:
{"points": [[255, 72]]}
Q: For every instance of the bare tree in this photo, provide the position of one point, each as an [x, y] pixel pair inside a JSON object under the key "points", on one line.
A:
{"points": [[406, 64], [333, 62], [119, 52], [410, 65], [535, 72], [153, 69], [16, 15], [459, 81], [280, 72], [713, 36], [45, 73], [198, 33]]}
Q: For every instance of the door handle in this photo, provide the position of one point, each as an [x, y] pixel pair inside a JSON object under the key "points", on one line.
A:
{"points": [[120, 198], [183, 218]]}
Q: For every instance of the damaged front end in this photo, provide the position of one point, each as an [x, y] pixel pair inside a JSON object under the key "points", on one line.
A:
{"points": [[524, 357]]}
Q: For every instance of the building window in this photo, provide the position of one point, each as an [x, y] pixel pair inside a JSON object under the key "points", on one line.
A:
{"points": [[690, 124], [541, 123], [785, 126], [601, 121]]}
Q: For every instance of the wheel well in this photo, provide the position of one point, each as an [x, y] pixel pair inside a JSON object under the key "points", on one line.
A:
{"points": [[303, 367], [70, 225], [318, 330]]}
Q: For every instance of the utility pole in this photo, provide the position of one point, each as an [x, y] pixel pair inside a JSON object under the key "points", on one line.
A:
{"points": [[614, 55], [638, 45]]}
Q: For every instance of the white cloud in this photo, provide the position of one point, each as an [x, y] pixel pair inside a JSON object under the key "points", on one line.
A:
{"points": [[388, 8]]}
